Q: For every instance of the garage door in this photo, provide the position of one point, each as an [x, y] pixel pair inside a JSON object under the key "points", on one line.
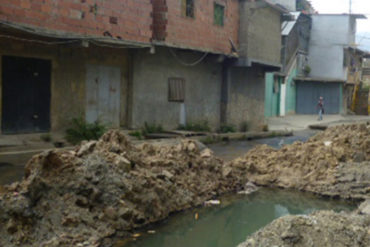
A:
{"points": [[308, 94]]}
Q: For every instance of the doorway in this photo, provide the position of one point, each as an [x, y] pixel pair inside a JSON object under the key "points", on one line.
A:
{"points": [[25, 95]]}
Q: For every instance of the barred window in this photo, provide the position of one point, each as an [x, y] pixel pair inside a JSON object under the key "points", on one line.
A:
{"points": [[188, 8], [176, 89]]}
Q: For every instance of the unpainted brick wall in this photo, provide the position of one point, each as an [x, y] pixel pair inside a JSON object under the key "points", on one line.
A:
{"points": [[199, 32], [127, 19]]}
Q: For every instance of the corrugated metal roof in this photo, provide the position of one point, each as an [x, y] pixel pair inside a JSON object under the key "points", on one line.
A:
{"points": [[287, 26]]}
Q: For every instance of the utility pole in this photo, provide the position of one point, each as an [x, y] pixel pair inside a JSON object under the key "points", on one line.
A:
{"points": [[350, 6]]}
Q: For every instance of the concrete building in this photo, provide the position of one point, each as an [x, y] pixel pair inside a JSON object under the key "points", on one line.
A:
{"points": [[62, 59], [193, 40], [123, 63], [280, 87], [246, 99], [331, 35]]}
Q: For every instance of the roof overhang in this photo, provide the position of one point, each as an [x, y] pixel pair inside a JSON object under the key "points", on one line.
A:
{"points": [[357, 16], [319, 79], [265, 3], [14, 30], [249, 62]]}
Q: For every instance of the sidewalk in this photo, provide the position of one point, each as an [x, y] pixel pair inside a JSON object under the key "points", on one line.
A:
{"points": [[301, 122]]}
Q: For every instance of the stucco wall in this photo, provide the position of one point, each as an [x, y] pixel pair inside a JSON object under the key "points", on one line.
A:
{"points": [[330, 34], [260, 32], [246, 97], [150, 88], [68, 76]]}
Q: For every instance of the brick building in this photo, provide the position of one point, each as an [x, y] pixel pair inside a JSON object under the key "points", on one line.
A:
{"points": [[122, 62]]}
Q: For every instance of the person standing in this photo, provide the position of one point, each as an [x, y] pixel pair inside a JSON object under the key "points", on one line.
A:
{"points": [[320, 105]]}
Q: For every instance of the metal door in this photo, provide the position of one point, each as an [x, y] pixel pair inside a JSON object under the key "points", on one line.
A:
{"points": [[103, 94], [308, 94], [25, 95]]}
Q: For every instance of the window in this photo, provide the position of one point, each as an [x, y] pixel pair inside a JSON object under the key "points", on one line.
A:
{"points": [[176, 89], [188, 8], [219, 14]]}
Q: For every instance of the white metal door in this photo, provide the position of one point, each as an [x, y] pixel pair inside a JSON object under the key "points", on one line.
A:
{"points": [[103, 94]]}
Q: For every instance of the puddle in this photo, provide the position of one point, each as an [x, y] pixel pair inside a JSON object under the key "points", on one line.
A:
{"points": [[237, 217]]}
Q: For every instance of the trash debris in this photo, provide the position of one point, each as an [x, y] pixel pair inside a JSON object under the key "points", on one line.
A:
{"points": [[212, 202]]}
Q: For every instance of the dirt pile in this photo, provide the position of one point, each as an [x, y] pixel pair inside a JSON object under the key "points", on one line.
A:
{"points": [[334, 162], [322, 228], [104, 189]]}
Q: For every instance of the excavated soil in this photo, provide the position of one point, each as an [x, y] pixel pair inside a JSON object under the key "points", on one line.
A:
{"points": [[322, 228], [105, 188], [334, 163]]}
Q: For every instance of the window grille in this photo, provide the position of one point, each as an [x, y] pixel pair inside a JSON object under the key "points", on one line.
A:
{"points": [[176, 89]]}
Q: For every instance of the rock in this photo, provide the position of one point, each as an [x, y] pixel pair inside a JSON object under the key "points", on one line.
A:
{"points": [[364, 208], [206, 153], [86, 148], [110, 213]]}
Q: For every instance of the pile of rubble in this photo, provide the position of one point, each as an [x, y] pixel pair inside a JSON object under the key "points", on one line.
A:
{"points": [[322, 228], [104, 189], [334, 162]]}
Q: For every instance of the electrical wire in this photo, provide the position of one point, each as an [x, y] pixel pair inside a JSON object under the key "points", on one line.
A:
{"points": [[188, 64]]}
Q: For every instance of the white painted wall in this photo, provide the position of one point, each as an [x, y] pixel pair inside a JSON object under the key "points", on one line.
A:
{"points": [[330, 34]]}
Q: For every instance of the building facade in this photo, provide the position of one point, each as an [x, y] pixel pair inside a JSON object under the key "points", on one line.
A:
{"points": [[331, 35]]}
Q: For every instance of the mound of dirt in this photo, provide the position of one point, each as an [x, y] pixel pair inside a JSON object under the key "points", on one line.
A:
{"points": [[104, 189], [334, 162], [322, 228]]}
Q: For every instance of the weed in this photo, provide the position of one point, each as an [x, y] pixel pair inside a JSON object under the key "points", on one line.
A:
{"points": [[227, 128], [197, 126], [265, 128], [81, 130], [151, 128], [137, 134]]}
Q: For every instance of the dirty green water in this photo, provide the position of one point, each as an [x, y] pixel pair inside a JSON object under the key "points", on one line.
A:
{"points": [[230, 223]]}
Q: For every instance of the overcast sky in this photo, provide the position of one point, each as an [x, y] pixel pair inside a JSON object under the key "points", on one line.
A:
{"points": [[342, 6]]}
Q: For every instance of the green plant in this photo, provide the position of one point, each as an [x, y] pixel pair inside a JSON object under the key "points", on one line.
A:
{"points": [[197, 126], [46, 137], [137, 134], [227, 128], [81, 130], [265, 128], [244, 126], [307, 70], [151, 128]]}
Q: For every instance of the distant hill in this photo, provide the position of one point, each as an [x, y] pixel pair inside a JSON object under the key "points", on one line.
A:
{"points": [[363, 39]]}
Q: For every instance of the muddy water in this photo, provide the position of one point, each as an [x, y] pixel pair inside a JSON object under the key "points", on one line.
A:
{"points": [[230, 223]]}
